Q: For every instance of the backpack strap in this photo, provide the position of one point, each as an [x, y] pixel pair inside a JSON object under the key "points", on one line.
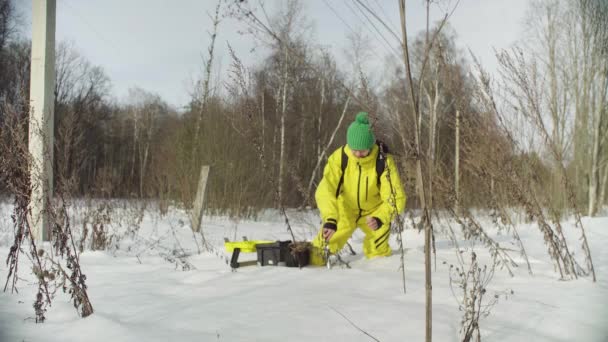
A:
{"points": [[381, 159], [380, 164], [343, 167]]}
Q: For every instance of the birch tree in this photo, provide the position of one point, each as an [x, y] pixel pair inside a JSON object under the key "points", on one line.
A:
{"points": [[568, 40], [287, 59], [145, 110], [596, 13]]}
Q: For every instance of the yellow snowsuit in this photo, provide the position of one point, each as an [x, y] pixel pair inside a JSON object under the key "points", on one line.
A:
{"points": [[360, 196]]}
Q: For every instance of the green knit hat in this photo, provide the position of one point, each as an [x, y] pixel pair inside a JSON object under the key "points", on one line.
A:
{"points": [[359, 135]]}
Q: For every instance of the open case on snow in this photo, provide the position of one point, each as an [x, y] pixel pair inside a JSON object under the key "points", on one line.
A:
{"points": [[278, 253]]}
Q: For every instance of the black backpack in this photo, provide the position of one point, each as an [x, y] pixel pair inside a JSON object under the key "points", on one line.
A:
{"points": [[380, 164]]}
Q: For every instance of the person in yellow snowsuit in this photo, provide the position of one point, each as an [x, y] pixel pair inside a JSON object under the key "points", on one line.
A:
{"points": [[356, 192]]}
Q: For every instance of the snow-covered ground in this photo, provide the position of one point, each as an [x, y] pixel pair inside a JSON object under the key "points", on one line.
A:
{"points": [[138, 295]]}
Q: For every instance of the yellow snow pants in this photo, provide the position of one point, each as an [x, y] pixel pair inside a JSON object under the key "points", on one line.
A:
{"points": [[375, 243]]}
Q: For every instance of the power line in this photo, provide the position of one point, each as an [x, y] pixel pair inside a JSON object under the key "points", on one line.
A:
{"points": [[384, 42], [377, 17], [386, 17], [83, 20], [357, 4], [346, 24], [338, 15]]}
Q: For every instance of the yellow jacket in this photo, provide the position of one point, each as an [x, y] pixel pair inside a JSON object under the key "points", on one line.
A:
{"points": [[360, 194]]}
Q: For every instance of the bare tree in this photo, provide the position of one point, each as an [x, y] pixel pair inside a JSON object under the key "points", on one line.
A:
{"points": [[7, 21], [596, 13], [14, 58], [286, 28], [568, 44], [323, 154], [203, 90], [145, 110]]}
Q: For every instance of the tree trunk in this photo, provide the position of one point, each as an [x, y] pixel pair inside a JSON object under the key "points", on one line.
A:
{"points": [[320, 120], [282, 153], [142, 170], [603, 198], [457, 164], [599, 92], [144, 163], [300, 155], [135, 133], [263, 123], [429, 157], [433, 104], [594, 172], [275, 132], [580, 75]]}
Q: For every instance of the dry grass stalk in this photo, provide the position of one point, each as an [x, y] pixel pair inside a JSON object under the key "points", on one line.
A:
{"points": [[473, 300], [15, 168]]}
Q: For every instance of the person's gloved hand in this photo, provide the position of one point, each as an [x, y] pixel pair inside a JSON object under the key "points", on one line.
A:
{"points": [[329, 229], [373, 222]]}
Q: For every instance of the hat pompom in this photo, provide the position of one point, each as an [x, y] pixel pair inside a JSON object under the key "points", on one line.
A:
{"points": [[362, 118]]}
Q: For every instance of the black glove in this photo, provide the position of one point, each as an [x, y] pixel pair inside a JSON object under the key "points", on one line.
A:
{"points": [[330, 224]]}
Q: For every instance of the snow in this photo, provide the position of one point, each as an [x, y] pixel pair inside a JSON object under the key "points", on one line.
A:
{"points": [[138, 295]]}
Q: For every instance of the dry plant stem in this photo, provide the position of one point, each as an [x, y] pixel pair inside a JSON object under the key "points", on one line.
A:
{"points": [[569, 262], [532, 206], [205, 95], [579, 224], [354, 325], [534, 209], [473, 283], [402, 256], [396, 215], [179, 244], [74, 284], [151, 246], [515, 66], [13, 258], [452, 236], [494, 203], [15, 162], [61, 233], [18, 168], [475, 229], [515, 235], [420, 183], [204, 243]]}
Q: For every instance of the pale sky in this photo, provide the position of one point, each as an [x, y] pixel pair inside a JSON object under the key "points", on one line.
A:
{"points": [[157, 44]]}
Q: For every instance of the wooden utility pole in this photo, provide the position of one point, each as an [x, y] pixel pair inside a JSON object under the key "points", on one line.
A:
{"points": [[199, 202]]}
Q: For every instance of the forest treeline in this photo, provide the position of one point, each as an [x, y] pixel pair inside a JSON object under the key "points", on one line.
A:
{"points": [[265, 129]]}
